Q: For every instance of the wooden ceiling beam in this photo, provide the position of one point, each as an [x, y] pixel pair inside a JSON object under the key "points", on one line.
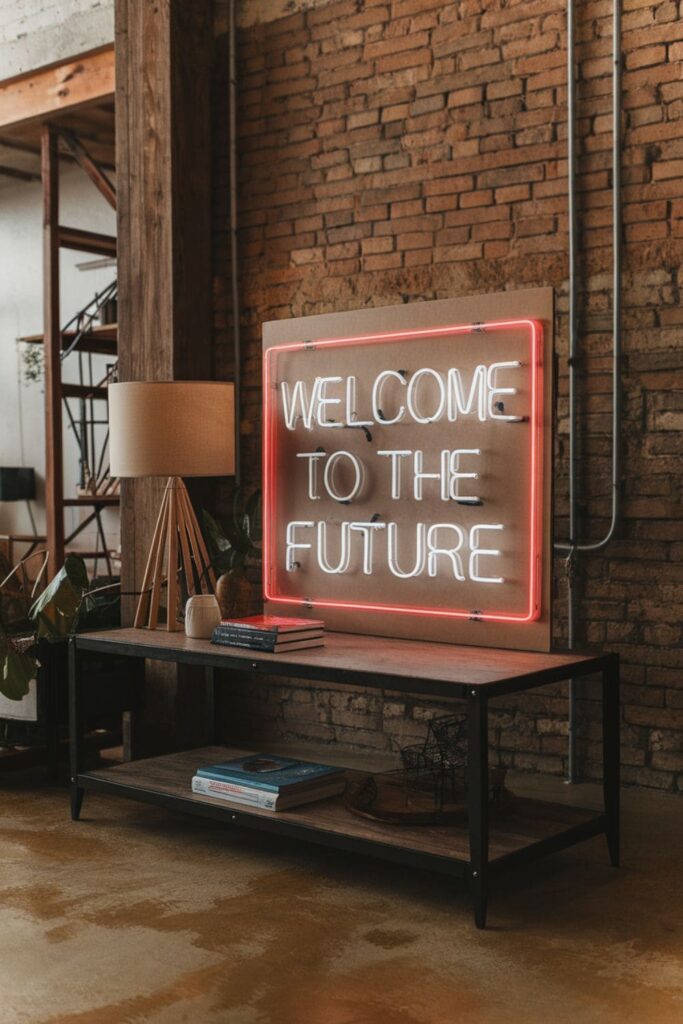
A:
{"points": [[25, 147], [64, 87], [86, 241], [14, 172], [90, 166]]}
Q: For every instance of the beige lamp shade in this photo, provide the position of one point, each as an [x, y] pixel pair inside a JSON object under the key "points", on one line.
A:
{"points": [[172, 428]]}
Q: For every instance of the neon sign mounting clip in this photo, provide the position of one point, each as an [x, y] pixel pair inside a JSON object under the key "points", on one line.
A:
{"points": [[475, 616]]}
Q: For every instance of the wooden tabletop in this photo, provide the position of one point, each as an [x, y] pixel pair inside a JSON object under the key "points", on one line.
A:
{"points": [[413, 666]]}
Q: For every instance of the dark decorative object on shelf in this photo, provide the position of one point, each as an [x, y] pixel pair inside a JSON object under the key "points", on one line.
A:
{"points": [[17, 483], [431, 787]]}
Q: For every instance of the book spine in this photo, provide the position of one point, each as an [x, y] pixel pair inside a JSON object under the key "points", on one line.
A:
{"points": [[252, 645], [280, 638], [236, 794], [231, 631], [236, 787]]}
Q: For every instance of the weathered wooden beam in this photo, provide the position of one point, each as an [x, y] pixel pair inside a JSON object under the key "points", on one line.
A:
{"points": [[90, 166], [55, 90], [54, 469], [25, 147], [14, 172], [86, 241], [163, 137]]}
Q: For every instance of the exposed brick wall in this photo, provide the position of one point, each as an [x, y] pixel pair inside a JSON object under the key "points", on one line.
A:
{"points": [[415, 149]]}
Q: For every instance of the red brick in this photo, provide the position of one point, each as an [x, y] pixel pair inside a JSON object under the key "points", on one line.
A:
{"points": [[646, 57], [415, 240], [482, 198], [395, 44], [465, 97], [384, 262]]}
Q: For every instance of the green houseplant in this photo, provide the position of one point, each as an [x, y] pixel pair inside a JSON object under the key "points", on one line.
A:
{"points": [[231, 549], [66, 603]]}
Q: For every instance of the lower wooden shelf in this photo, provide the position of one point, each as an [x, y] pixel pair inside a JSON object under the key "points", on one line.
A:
{"points": [[523, 829]]}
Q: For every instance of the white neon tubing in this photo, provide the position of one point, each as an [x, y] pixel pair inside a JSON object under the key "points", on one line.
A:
{"points": [[351, 413], [419, 551], [294, 545], [455, 475], [313, 458], [377, 395], [367, 530], [457, 403], [493, 390], [433, 551], [298, 397], [344, 549], [396, 454], [476, 552], [322, 401], [411, 396], [419, 475], [328, 476]]}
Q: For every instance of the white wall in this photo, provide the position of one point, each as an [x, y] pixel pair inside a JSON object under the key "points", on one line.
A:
{"points": [[38, 32], [22, 416]]}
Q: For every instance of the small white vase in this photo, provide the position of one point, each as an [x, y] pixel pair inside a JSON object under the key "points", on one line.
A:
{"points": [[202, 615]]}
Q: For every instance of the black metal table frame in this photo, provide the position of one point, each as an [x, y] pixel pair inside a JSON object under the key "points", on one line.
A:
{"points": [[478, 870]]}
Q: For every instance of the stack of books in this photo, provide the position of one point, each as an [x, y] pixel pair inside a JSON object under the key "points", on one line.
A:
{"points": [[268, 781], [276, 634]]}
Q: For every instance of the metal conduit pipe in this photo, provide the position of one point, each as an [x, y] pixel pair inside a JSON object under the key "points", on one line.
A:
{"points": [[572, 360], [573, 547], [234, 273]]}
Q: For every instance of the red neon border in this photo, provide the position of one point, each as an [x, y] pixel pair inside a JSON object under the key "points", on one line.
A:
{"points": [[535, 329]]}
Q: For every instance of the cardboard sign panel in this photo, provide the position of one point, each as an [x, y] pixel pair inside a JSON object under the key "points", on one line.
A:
{"points": [[406, 483]]}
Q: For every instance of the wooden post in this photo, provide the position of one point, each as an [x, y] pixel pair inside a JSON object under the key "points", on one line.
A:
{"points": [[54, 469], [163, 133]]}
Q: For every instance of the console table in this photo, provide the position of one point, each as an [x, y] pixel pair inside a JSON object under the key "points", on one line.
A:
{"points": [[488, 842]]}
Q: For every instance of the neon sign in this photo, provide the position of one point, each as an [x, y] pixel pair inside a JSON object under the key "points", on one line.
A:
{"points": [[403, 472]]}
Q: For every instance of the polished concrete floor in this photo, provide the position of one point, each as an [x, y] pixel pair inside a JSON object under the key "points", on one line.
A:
{"points": [[136, 914]]}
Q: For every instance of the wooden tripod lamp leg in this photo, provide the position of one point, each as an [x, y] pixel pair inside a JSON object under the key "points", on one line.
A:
{"points": [[172, 623], [203, 565], [149, 582], [178, 542]]}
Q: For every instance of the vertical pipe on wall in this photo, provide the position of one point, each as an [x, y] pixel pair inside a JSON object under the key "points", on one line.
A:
{"points": [[574, 547], [237, 346], [572, 364]]}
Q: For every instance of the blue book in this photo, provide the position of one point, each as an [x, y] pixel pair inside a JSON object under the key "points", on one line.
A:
{"points": [[270, 772]]}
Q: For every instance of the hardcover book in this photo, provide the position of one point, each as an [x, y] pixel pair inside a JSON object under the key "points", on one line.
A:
{"points": [[266, 800], [269, 644], [277, 624], [224, 630], [270, 773]]}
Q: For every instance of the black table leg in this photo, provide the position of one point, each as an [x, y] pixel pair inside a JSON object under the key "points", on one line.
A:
{"points": [[610, 756], [75, 728], [478, 802]]}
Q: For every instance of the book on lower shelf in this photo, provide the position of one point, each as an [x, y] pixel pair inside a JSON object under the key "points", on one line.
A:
{"points": [[269, 781], [273, 634], [263, 799]]}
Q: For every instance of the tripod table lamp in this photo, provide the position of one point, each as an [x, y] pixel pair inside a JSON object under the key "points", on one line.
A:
{"points": [[172, 429]]}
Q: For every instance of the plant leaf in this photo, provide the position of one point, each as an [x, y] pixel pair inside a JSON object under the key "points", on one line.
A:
{"points": [[56, 610], [17, 672], [214, 533]]}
